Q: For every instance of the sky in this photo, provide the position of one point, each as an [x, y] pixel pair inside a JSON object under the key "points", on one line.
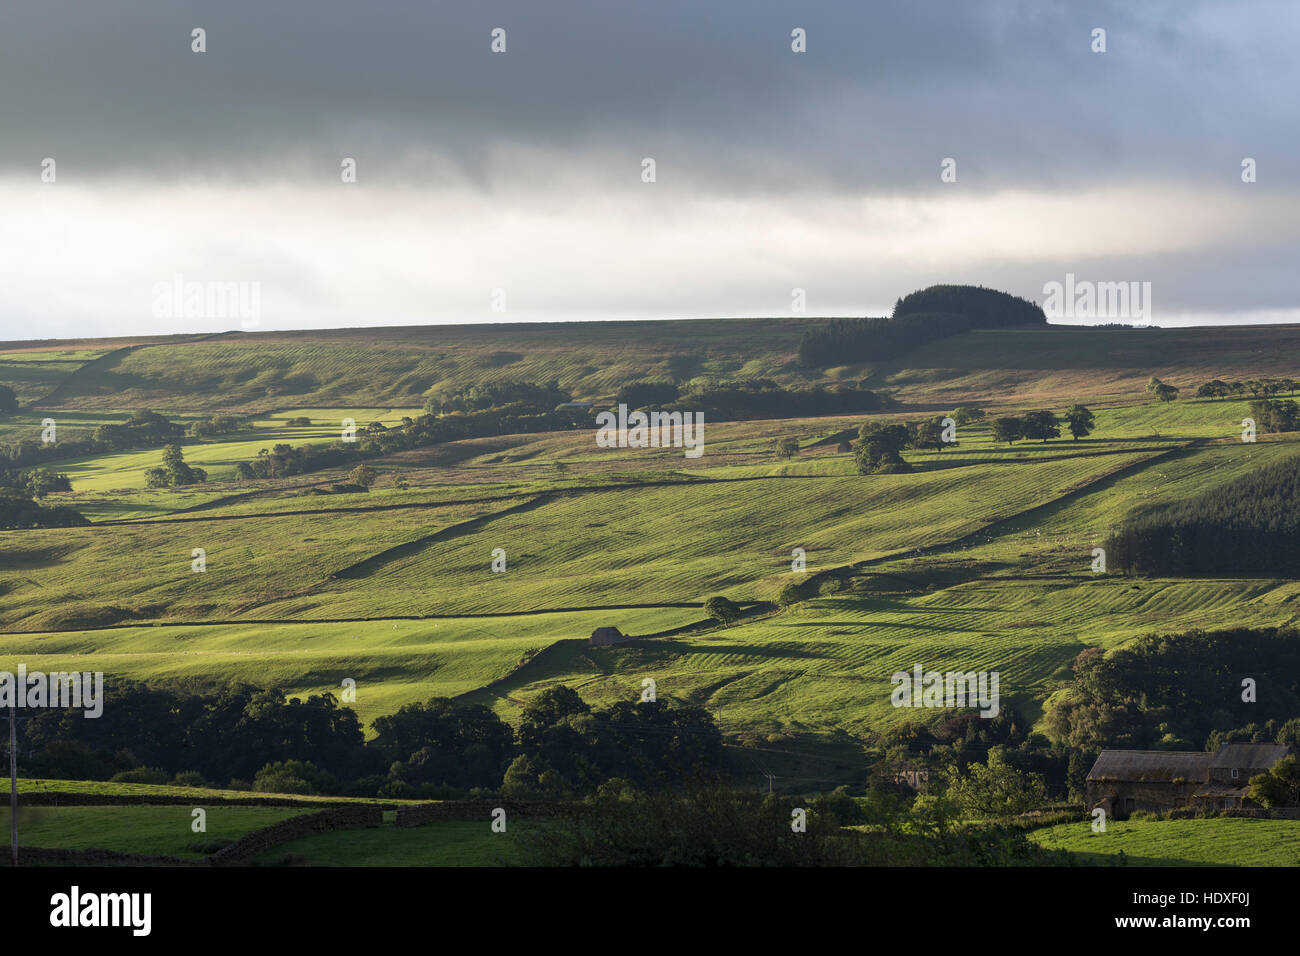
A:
{"points": [[204, 191]]}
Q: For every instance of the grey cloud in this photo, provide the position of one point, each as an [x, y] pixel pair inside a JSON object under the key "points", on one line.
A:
{"points": [[885, 91]]}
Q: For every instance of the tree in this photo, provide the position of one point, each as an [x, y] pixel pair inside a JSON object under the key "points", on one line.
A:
{"points": [[1276, 415], [722, 609], [1166, 393], [292, 776], [1079, 420], [965, 414], [878, 449], [787, 447], [929, 434], [1007, 429], [8, 400], [790, 594], [1280, 787], [363, 475], [995, 789], [41, 482], [174, 471], [1214, 389], [1041, 425]]}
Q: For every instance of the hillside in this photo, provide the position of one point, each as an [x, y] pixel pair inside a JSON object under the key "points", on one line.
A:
{"points": [[394, 367], [977, 558]]}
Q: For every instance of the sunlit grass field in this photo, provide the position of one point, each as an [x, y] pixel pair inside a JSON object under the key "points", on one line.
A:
{"points": [[1220, 841]]}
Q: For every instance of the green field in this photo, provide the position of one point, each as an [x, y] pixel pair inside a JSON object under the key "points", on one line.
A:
{"points": [[448, 843], [1220, 841], [162, 831]]}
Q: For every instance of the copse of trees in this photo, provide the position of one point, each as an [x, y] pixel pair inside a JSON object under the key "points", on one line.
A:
{"points": [[1247, 525], [174, 472], [1162, 391], [565, 747], [1043, 424], [36, 483], [568, 748], [144, 429], [647, 393], [485, 395], [1257, 387], [217, 425], [442, 742], [19, 511], [919, 317], [1276, 416], [746, 399], [879, 449], [1173, 691], [1040, 424], [986, 308], [283, 459]]}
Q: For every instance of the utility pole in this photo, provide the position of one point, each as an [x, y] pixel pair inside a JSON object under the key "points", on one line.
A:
{"points": [[13, 784]]}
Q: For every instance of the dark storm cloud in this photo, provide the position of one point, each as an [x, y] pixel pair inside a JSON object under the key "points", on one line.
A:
{"points": [[712, 90]]}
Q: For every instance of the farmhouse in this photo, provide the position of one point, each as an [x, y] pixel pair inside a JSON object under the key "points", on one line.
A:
{"points": [[1122, 781]]}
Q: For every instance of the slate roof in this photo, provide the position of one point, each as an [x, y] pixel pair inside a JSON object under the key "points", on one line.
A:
{"points": [[1159, 766], [1250, 756]]}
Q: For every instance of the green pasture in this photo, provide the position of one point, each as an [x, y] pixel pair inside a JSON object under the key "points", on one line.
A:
{"points": [[1217, 841]]}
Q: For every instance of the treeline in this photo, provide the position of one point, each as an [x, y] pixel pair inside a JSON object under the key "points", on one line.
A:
{"points": [[747, 399], [36, 483], [476, 398], [532, 408], [879, 447], [1249, 525], [920, 317], [144, 429], [1276, 416], [1256, 387], [20, 511], [1181, 691], [708, 823], [250, 738]]}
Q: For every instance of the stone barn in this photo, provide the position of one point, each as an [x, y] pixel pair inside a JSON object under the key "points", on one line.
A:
{"points": [[603, 636], [1122, 781]]}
